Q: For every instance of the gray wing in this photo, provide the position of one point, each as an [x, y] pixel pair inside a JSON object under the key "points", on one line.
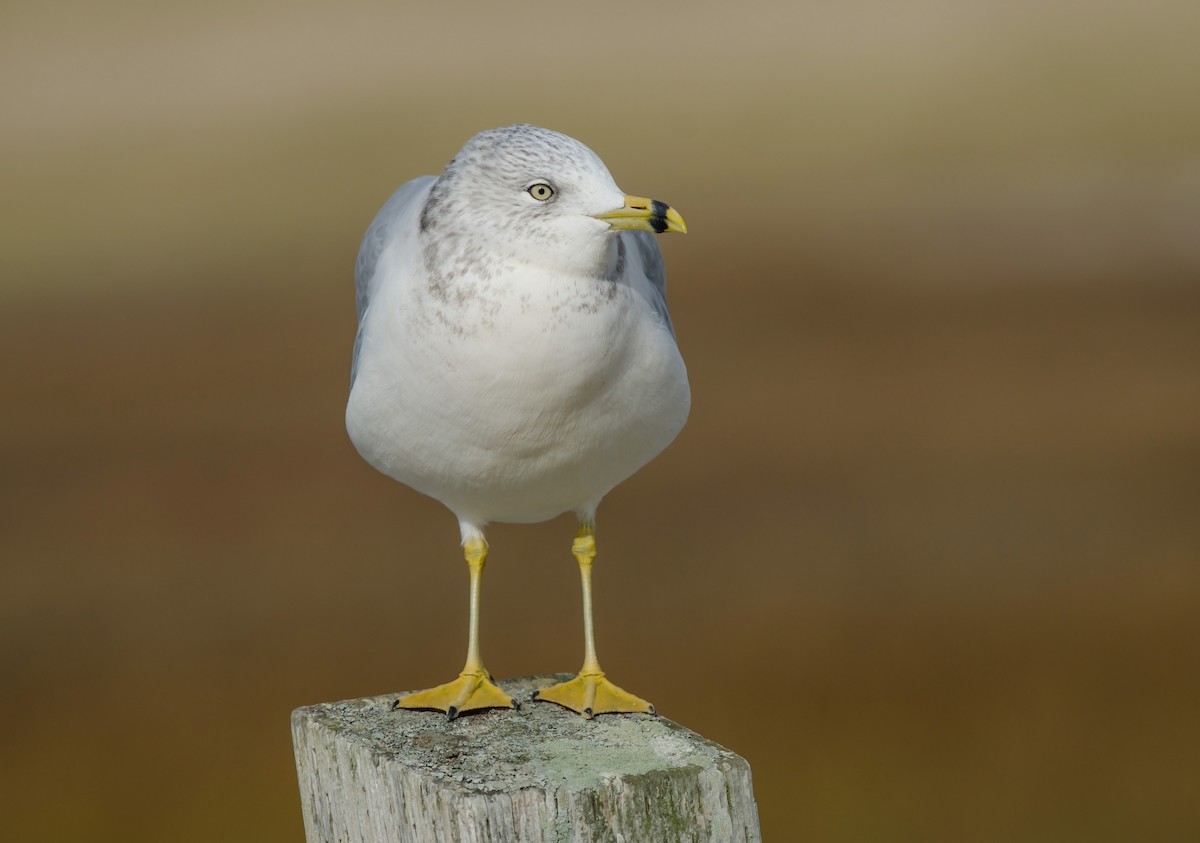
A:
{"points": [[380, 233], [642, 247]]}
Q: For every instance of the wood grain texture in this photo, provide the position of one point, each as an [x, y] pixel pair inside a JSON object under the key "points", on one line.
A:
{"points": [[539, 774]]}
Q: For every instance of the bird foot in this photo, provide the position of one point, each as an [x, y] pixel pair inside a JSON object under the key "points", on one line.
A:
{"points": [[471, 691], [590, 693]]}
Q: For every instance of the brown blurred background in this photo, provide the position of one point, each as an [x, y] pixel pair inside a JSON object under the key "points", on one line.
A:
{"points": [[926, 554]]}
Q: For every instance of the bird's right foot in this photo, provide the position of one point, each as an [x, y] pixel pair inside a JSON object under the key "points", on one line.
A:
{"points": [[473, 690]]}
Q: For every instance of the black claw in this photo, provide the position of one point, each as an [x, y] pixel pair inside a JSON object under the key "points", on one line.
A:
{"points": [[516, 705], [395, 704], [534, 695], [587, 712], [652, 710], [452, 712]]}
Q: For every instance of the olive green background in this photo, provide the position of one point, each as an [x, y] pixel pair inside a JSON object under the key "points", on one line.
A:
{"points": [[926, 553]]}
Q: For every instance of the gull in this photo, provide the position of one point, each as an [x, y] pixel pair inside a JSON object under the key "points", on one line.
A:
{"points": [[515, 360]]}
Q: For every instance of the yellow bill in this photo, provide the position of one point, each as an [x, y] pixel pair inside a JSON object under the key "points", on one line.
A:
{"points": [[641, 214]]}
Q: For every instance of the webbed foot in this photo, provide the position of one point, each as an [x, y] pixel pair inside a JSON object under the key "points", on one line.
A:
{"points": [[590, 693], [471, 691]]}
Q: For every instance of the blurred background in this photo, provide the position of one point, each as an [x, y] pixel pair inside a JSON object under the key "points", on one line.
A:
{"points": [[926, 554]]}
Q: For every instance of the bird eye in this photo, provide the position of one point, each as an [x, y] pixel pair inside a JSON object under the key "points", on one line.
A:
{"points": [[540, 191]]}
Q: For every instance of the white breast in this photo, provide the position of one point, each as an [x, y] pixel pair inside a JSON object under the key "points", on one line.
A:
{"points": [[531, 397]]}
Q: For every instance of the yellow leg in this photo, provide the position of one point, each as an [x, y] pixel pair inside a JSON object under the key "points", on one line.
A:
{"points": [[473, 689], [590, 693]]}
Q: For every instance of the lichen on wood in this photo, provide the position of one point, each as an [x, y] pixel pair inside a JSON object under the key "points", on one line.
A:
{"points": [[538, 774]]}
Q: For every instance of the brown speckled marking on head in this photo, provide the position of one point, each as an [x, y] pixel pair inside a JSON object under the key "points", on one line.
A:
{"points": [[459, 224], [468, 217]]}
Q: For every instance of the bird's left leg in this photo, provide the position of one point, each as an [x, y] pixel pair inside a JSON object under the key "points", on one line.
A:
{"points": [[590, 693]]}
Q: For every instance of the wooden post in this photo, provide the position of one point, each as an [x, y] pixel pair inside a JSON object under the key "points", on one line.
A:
{"points": [[368, 773]]}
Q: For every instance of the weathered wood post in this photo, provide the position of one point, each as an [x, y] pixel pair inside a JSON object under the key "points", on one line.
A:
{"points": [[539, 774]]}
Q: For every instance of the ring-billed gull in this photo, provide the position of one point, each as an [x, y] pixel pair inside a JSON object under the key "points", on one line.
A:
{"points": [[515, 360]]}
